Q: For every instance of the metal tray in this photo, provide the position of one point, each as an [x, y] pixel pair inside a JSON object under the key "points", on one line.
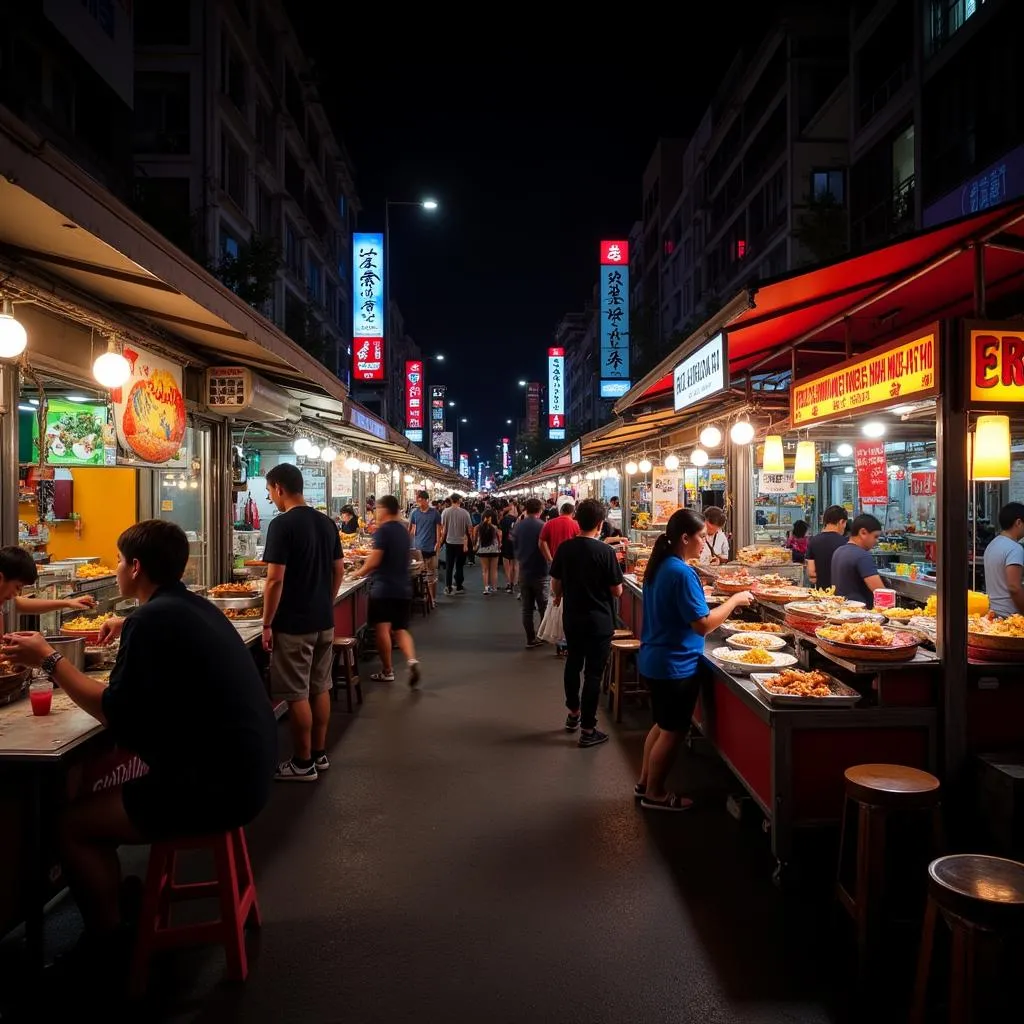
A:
{"points": [[237, 603], [843, 696]]}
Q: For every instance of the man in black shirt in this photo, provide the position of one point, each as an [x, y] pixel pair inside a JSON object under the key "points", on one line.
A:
{"points": [[202, 723], [822, 547], [304, 574], [586, 576]]}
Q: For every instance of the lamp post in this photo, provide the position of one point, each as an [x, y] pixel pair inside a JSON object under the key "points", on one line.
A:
{"points": [[430, 205]]}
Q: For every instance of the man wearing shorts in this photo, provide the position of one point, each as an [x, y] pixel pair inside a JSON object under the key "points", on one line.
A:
{"points": [[304, 574], [425, 530], [185, 695], [390, 591]]}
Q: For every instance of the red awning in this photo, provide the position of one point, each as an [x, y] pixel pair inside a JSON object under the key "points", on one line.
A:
{"points": [[867, 299]]}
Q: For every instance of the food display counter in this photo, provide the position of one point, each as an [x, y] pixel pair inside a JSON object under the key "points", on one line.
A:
{"points": [[351, 607]]}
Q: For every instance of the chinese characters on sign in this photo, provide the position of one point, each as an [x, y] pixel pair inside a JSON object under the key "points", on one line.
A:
{"points": [[464, 464], [368, 306], [437, 405], [997, 365], [923, 484], [556, 394], [506, 456], [614, 311], [414, 401], [872, 473], [776, 483], [903, 370]]}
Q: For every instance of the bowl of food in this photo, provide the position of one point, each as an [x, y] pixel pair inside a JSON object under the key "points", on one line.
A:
{"points": [[734, 583], [85, 627], [985, 633], [779, 595], [867, 641], [748, 641], [755, 660], [731, 626], [13, 678], [794, 686], [901, 615]]}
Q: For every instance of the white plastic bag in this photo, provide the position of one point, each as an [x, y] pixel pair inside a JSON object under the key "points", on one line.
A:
{"points": [[551, 625]]}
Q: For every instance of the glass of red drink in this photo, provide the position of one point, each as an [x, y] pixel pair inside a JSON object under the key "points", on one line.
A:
{"points": [[40, 693]]}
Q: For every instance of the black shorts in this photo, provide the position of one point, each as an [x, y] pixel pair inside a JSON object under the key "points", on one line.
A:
{"points": [[161, 806], [395, 611], [673, 701], [507, 551]]}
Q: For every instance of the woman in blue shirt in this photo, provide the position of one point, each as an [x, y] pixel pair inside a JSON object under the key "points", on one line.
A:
{"points": [[676, 620]]}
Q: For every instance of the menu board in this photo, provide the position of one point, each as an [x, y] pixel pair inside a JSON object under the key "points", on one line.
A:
{"points": [[314, 485], [776, 483], [665, 487], [77, 434], [872, 473]]}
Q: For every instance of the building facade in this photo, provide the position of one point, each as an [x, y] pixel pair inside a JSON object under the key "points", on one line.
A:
{"points": [[236, 163]]}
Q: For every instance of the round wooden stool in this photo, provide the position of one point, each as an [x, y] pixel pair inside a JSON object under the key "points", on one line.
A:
{"points": [[606, 677], [876, 793], [979, 897], [345, 670], [619, 686]]}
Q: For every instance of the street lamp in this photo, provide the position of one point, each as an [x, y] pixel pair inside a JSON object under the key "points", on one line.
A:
{"points": [[423, 204], [522, 383], [451, 405]]}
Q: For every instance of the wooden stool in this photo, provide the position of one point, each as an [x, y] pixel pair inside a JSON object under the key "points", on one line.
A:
{"points": [[346, 662], [620, 687], [878, 791], [606, 676], [978, 896], [233, 886]]}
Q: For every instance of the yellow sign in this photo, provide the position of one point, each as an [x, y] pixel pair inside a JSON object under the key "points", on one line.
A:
{"points": [[997, 366], [907, 368]]}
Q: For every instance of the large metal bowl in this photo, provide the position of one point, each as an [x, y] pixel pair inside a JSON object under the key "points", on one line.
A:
{"points": [[237, 603]]}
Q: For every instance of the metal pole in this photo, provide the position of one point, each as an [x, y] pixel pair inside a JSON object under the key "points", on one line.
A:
{"points": [[9, 389]]}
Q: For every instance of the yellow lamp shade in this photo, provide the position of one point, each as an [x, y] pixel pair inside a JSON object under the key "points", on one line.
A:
{"points": [[774, 460], [992, 448], [805, 471]]}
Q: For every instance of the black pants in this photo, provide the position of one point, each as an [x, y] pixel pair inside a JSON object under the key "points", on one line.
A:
{"points": [[534, 593], [454, 563], [587, 655]]}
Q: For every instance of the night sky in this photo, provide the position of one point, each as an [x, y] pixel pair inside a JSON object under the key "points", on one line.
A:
{"points": [[532, 164]]}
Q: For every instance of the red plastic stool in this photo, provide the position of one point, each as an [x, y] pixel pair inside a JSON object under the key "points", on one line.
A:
{"points": [[233, 886]]}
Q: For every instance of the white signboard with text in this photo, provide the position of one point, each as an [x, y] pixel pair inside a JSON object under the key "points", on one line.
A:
{"points": [[701, 374]]}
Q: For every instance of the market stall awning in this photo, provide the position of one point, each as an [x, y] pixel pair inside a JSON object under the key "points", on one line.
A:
{"points": [[860, 301]]}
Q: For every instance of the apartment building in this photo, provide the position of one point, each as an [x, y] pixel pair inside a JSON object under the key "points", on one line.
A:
{"points": [[236, 163], [577, 334]]}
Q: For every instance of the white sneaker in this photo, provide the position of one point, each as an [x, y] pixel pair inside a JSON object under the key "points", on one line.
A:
{"points": [[289, 771]]}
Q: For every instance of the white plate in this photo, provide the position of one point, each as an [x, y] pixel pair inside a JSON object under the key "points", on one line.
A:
{"points": [[768, 641], [730, 659]]}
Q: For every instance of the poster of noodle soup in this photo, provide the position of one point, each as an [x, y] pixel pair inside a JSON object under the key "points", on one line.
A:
{"points": [[149, 409]]}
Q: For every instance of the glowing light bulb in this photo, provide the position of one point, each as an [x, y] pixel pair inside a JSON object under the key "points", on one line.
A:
{"points": [[644, 465], [710, 437], [699, 457], [742, 432], [302, 446], [671, 462]]}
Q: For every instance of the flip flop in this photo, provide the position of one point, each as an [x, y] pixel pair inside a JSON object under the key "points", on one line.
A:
{"points": [[671, 803]]}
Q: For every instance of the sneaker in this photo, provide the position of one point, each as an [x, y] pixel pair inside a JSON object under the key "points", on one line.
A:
{"points": [[289, 771], [460, 590], [593, 738], [414, 674], [508, 589], [382, 677], [572, 722], [535, 642], [448, 591], [321, 763], [487, 591]]}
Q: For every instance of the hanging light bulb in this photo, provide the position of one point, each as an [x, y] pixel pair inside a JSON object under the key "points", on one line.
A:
{"points": [[699, 457], [613, 473], [408, 478], [710, 437], [575, 478], [562, 481], [631, 468], [302, 446], [804, 472], [742, 432], [111, 369], [13, 336], [364, 467], [194, 485], [671, 462], [352, 463], [328, 453], [314, 452], [873, 428], [844, 451], [992, 448], [644, 465], [773, 461], [375, 468]]}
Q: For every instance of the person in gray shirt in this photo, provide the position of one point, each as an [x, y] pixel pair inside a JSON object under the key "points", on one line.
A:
{"points": [[533, 568], [457, 534]]}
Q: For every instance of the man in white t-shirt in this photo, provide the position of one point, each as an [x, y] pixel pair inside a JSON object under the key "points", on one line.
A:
{"points": [[456, 534], [1004, 563]]}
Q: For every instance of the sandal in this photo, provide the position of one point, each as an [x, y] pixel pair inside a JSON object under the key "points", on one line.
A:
{"points": [[382, 677], [672, 802]]}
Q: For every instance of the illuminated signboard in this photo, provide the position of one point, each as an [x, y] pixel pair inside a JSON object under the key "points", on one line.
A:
{"points": [[368, 307], [506, 457], [416, 436], [905, 369], [370, 424], [556, 393], [995, 372], [415, 402], [614, 311], [533, 408], [701, 374], [575, 453], [614, 388], [464, 464]]}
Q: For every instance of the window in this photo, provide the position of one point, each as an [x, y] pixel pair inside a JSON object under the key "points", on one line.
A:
{"points": [[294, 179], [166, 204], [233, 170], [292, 248], [314, 280], [230, 243], [293, 98], [157, 24], [265, 223], [161, 112], [266, 41], [266, 131], [294, 316], [315, 153], [948, 17], [828, 184], [232, 73]]}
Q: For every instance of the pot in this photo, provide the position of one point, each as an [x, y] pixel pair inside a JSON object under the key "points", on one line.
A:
{"points": [[72, 647]]}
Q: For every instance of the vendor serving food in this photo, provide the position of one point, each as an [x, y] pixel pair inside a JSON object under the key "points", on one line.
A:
{"points": [[201, 722], [1004, 563], [18, 570]]}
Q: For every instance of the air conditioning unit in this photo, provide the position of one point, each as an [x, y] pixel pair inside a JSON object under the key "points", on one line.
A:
{"points": [[237, 391]]}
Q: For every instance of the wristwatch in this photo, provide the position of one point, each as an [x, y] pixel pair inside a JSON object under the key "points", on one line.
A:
{"points": [[50, 663]]}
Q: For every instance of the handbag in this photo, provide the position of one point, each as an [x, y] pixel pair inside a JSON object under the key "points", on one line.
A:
{"points": [[550, 630]]}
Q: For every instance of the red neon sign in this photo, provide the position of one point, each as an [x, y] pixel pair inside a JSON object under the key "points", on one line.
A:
{"points": [[615, 253]]}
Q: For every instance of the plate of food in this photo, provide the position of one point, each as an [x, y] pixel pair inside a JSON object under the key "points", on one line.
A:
{"points": [[754, 660], [987, 633], [85, 626], [867, 641], [735, 583], [779, 595], [748, 641], [741, 626], [12, 680], [812, 689], [93, 571], [756, 555]]}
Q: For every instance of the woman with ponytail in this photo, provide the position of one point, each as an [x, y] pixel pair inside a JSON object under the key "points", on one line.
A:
{"points": [[676, 620]]}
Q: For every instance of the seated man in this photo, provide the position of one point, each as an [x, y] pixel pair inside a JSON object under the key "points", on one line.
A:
{"points": [[185, 696]]}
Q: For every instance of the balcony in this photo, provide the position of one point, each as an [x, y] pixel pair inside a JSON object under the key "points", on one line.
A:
{"points": [[883, 95], [893, 216]]}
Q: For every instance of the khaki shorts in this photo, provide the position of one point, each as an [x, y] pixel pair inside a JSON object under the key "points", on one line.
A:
{"points": [[430, 566], [300, 665]]}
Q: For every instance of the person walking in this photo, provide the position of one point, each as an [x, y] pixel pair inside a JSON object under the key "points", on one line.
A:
{"points": [[304, 574], [390, 607], [532, 568], [556, 531], [585, 575], [425, 530], [508, 551], [488, 548], [676, 620], [456, 534]]}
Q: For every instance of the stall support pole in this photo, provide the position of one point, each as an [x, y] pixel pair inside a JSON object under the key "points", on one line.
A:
{"points": [[9, 388], [740, 483], [953, 555]]}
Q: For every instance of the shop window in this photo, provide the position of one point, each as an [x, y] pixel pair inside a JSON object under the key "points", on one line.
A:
{"points": [[827, 184], [162, 122], [903, 158], [233, 170]]}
